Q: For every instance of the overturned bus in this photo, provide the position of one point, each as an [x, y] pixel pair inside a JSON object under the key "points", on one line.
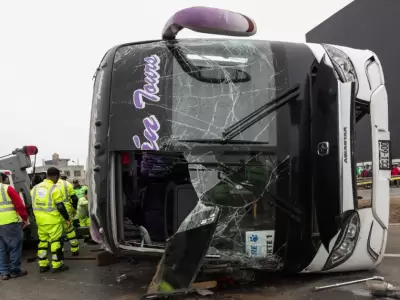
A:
{"points": [[237, 152]]}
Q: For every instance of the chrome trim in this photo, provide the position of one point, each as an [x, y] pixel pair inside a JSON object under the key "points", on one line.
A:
{"points": [[340, 143], [371, 251]]}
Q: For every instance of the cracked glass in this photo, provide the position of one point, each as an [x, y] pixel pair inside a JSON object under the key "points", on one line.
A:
{"points": [[203, 110], [200, 88]]}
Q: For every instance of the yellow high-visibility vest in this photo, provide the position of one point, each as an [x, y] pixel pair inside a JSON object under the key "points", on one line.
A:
{"points": [[8, 213], [45, 197], [67, 190]]}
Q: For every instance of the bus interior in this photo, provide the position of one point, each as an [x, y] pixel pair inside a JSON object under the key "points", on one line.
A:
{"points": [[157, 191]]}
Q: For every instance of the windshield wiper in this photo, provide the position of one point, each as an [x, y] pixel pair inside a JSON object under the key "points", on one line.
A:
{"points": [[223, 141], [237, 128]]}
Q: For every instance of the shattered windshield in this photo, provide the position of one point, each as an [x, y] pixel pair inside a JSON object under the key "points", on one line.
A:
{"points": [[164, 92], [243, 186], [240, 173], [236, 78], [185, 97]]}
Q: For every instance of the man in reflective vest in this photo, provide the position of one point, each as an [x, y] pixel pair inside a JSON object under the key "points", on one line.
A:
{"points": [[11, 205], [70, 202], [79, 189], [83, 212], [80, 193], [50, 214]]}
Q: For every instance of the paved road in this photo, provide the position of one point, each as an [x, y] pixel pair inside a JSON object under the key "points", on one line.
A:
{"points": [[299, 287], [86, 281], [395, 192], [367, 194]]}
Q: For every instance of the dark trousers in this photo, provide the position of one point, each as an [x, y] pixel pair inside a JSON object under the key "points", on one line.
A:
{"points": [[10, 248]]}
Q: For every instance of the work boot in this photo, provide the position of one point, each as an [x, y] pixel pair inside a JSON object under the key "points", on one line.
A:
{"points": [[4, 277], [63, 268], [75, 253], [44, 269], [20, 273]]}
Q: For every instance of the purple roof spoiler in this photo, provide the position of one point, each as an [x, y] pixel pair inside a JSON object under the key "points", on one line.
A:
{"points": [[209, 20]]}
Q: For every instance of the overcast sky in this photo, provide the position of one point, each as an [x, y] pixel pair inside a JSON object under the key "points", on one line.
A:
{"points": [[51, 49]]}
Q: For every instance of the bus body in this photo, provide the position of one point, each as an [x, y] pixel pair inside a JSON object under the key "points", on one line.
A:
{"points": [[238, 152]]}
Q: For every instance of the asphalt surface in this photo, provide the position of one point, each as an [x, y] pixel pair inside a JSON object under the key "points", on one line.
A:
{"points": [[367, 194], [395, 192], [85, 280]]}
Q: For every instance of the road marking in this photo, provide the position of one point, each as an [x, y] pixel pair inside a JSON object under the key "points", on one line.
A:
{"points": [[394, 224], [391, 255]]}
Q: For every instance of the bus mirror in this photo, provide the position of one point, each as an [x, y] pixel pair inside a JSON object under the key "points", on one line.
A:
{"points": [[209, 20]]}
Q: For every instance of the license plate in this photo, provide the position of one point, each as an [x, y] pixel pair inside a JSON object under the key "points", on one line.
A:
{"points": [[260, 243], [384, 155]]}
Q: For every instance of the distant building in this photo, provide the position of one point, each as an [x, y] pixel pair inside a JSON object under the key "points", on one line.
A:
{"points": [[373, 25], [71, 171]]}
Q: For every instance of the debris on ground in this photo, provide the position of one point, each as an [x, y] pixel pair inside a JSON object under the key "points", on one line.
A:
{"points": [[383, 290], [204, 285], [204, 292], [121, 278], [326, 287]]}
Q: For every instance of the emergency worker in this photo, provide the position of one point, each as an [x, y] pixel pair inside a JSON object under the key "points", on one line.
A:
{"points": [[6, 180], [11, 208], [80, 193], [69, 200], [83, 212], [79, 189], [50, 214]]}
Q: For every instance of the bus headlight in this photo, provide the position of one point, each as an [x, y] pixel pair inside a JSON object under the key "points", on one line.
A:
{"points": [[347, 243], [343, 65]]}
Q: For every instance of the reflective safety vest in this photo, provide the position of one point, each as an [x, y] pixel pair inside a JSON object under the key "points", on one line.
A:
{"points": [[8, 214], [45, 196], [82, 210], [67, 190], [80, 192]]}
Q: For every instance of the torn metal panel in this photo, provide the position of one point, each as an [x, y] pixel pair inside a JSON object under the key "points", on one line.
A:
{"points": [[185, 251]]}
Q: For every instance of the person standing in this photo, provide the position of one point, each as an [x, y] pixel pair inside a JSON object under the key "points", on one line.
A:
{"points": [[359, 171], [50, 214], [83, 211], [79, 189], [366, 172], [396, 173], [80, 193], [69, 200], [11, 205]]}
